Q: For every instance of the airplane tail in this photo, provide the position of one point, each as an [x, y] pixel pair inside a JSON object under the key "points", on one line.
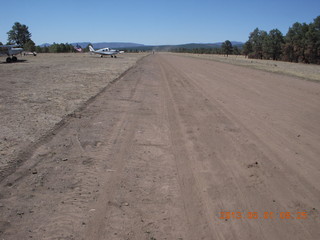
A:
{"points": [[91, 48]]}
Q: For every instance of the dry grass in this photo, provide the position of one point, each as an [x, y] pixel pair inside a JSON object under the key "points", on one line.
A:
{"points": [[38, 92]]}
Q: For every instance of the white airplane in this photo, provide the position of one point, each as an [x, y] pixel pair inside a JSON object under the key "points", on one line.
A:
{"points": [[10, 51], [105, 52]]}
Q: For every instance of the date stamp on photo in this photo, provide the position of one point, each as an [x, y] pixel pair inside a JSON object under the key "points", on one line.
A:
{"points": [[263, 215]]}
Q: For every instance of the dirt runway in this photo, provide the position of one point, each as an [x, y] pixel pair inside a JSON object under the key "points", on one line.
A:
{"points": [[177, 148]]}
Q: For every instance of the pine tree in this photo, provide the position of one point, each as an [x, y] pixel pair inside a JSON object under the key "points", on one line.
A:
{"points": [[29, 46], [272, 46], [257, 38], [247, 48], [227, 47], [19, 34]]}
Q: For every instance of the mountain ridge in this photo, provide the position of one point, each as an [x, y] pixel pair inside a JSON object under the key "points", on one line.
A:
{"points": [[129, 45]]}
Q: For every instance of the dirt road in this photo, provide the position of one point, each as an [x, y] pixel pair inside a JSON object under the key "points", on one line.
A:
{"points": [[178, 148]]}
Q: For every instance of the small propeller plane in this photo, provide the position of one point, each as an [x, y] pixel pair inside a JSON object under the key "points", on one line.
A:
{"points": [[10, 51], [105, 52]]}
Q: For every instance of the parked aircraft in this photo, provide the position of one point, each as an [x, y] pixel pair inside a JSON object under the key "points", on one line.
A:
{"points": [[10, 51], [105, 52]]}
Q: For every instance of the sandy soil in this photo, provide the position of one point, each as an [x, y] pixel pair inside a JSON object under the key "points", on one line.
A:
{"points": [[301, 70], [37, 93], [168, 151]]}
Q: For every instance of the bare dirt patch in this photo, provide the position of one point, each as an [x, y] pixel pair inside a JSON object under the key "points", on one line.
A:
{"points": [[36, 93], [305, 71]]}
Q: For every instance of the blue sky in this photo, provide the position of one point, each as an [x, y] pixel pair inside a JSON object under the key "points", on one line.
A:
{"points": [[152, 22]]}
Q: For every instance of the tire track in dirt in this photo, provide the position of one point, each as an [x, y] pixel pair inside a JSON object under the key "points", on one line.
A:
{"points": [[235, 148], [194, 205], [122, 140], [201, 153], [144, 203]]}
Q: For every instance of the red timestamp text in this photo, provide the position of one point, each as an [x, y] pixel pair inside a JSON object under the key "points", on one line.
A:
{"points": [[263, 215]]}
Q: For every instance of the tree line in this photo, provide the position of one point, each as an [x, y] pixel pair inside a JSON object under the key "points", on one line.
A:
{"points": [[235, 50], [56, 48], [300, 44]]}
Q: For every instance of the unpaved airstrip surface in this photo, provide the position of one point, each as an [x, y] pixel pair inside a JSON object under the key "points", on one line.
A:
{"points": [[176, 148]]}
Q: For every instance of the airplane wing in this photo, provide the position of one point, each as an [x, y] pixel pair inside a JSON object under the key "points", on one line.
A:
{"points": [[8, 46], [10, 51]]}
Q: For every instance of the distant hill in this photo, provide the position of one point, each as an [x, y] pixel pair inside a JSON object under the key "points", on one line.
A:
{"points": [[102, 44], [128, 45], [206, 45], [108, 44], [45, 45], [186, 46]]}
